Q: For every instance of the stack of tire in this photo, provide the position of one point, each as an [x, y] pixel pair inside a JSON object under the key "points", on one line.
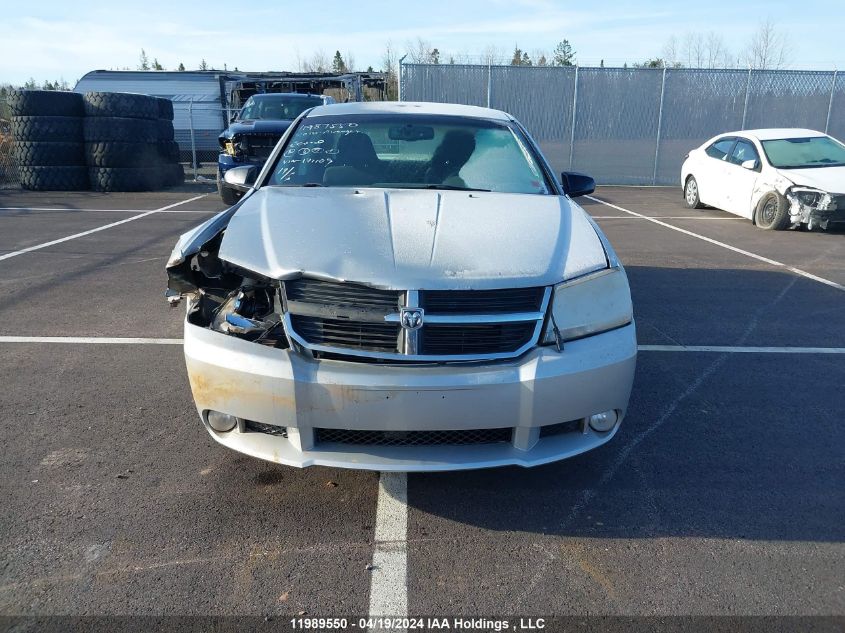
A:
{"points": [[129, 142], [47, 132]]}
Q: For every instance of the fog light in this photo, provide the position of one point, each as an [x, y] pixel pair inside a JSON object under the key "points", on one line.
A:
{"points": [[603, 422], [221, 422]]}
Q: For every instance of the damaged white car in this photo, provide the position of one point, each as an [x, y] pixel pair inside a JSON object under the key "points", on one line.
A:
{"points": [[406, 287], [778, 178]]}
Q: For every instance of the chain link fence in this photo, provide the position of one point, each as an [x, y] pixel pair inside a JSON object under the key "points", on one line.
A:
{"points": [[634, 125]]}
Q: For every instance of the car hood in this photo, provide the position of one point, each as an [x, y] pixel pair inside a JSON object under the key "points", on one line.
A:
{"points": [[830, 179], [250, 126], [412, 239]]}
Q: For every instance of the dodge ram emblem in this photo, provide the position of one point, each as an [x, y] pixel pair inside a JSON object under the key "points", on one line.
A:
{"points": [[411, 318]]}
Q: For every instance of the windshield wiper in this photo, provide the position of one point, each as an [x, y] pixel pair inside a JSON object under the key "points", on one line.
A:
{"points": [[453, 188]]}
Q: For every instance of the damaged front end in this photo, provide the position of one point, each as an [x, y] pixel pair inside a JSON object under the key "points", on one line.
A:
{"points": [[813, 207], [222, 297]]}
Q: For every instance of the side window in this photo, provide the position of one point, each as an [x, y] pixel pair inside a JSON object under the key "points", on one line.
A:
{"points": [[743, 151], [721, 148]]}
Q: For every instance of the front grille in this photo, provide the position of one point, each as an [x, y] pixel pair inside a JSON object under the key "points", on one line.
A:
{"points": [[413, 438], [260, 146], [377, 337], [329, 293], [476, 338], [482, 301], [269, 429], [344, 318]]}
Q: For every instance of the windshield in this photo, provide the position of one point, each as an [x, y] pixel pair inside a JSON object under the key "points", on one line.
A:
{"points": [[802, 153], [277, 108], [409, 152]]}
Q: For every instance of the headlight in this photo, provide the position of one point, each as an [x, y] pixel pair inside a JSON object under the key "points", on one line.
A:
{"points": [[810, 198], [589, 305], [230, 148]]}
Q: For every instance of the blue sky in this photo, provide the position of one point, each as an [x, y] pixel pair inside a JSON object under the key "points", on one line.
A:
{"points": [[48, 39]]}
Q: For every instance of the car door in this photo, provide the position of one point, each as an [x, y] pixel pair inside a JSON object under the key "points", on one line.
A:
{"points": [[711, 172], [740, 180]]}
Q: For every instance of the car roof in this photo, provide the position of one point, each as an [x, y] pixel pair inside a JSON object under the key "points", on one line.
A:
{"points": [[769, 134], [294, 95], [410, 107]]}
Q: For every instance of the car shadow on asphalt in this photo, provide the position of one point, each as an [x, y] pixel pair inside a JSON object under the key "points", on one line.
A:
{"points": [[724, 445]]}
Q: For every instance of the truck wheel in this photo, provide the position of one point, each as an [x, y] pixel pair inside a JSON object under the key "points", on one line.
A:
{"points": [[47, 128], [53, 178], [120, 104], [691, 194], [45, 153], [228, 195], [45, 103], [772, 212]]}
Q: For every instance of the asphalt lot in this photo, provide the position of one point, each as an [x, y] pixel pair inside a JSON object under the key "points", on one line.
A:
{"points": [[722, 494]]}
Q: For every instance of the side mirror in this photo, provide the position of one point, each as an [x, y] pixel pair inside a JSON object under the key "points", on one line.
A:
{"points": [[241, 178], [749, 164], [575, 184]]}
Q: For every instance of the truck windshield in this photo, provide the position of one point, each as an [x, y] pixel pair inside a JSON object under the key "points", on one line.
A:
{"points": [[277, 107], [409, 152], [803, 153]]}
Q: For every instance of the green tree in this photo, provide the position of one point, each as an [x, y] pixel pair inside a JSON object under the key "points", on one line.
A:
{"points": [[657, 62], [564, 55], [181, 66], [156, 65], [370, 69], [144, 62], [434, 56], [516, 60], [525, 61], [203, 65], [30, 84], [338, 65], [542, 61]]}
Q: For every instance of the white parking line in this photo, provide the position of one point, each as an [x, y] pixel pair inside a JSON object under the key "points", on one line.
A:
{"points": [[721, 349], [91, 340], [389, 573], [96, 230], [46, 209], [661, 217], [772, 262]]}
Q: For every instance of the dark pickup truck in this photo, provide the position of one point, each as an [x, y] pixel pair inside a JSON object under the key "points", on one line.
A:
{"points": [[254, 131]]}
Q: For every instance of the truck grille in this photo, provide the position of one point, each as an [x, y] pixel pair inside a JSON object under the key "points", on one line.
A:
{"points": [[260, 146], [338, 318], [412, 438]]}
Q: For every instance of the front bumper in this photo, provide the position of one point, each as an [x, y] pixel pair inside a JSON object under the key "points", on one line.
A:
{"points": [[284, 388], [226, 161]]}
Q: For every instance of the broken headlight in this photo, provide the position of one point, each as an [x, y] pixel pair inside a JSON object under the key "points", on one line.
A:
{"points": [[249, 313], [589, 305], [814, 198], [809, 197]]}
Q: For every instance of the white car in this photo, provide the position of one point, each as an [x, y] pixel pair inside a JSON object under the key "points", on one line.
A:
{"points": [[406, 287], [777, 178]]}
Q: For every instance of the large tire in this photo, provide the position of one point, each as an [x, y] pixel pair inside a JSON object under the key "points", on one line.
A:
{"points": [[691, 194], [124, 178], [168, 151], [47, 128], [45, 103], [772, 212], [53, 178], [165, 130], [165, 109], [227, 194], [118, 154], [42, 153], [120, 104], [172, 174], [121, 129]]}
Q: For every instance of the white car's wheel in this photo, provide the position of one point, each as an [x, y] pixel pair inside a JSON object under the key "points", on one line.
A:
{"points": [[772, 212], [691, 194]]}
